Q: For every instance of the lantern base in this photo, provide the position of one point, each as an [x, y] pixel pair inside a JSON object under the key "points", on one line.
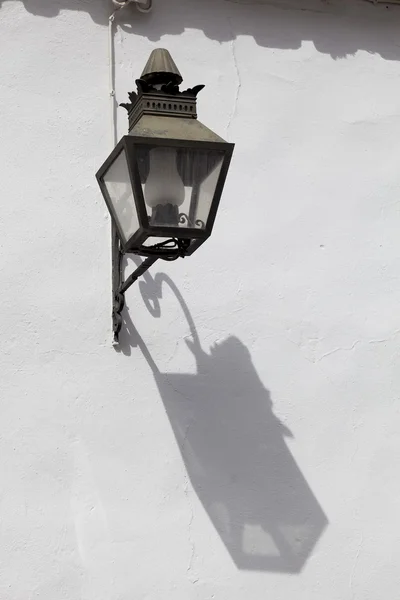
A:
{"points": [[170, 249]]}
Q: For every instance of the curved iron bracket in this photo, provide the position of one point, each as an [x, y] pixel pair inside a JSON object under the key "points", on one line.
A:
{"points": [[168, 250]]}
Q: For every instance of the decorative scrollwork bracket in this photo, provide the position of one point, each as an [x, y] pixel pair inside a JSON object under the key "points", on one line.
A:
{"points": [[168, 250]]}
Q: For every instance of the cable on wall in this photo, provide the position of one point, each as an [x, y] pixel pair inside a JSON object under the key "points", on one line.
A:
{"points": [[119, 4], [115, 250], [111, 66]]}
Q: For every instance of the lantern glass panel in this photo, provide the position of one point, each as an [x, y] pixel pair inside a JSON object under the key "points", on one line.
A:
{"points": [[178, 184], [118, 184]]}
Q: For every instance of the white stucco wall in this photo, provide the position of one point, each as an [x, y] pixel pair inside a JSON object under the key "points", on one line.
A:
{"points": [[244, 443]]}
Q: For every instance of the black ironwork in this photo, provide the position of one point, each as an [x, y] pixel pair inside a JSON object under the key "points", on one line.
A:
{"points": [[118, 305], [158, 95], [169, 89], [118, 299], [168, 250], [147, 229], [158, 91], [146, 264], [184, 219]]}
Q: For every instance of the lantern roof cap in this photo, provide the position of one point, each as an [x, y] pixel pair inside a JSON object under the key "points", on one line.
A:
{"points": [[161, 69]]}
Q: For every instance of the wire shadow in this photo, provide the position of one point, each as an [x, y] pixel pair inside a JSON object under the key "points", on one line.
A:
{"points": [[234, 449]]}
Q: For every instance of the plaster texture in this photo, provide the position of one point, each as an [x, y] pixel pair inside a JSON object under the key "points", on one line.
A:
{"points": [[244, 441]]}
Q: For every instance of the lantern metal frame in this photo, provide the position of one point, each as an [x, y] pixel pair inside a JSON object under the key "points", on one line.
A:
{"points": [[158, 96], [135, 243]]}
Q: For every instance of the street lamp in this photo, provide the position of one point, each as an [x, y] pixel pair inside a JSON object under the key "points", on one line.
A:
{"points": [[163, 181]]}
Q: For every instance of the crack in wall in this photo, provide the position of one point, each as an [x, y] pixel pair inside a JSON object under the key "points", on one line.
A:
{"points": [[238, 80], [344, 348], [355, 563], [186, 491], [357, 342]]}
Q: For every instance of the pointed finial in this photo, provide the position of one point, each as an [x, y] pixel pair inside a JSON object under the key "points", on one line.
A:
{"points": [[161, 69]]}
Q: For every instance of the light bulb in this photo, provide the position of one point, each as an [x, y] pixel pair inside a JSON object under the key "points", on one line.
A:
{"points": [[163, 185]]}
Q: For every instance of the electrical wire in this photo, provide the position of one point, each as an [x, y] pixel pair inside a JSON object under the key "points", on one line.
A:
{"points": [[111, 65], [111, 74], [119, 4], [116, 255]]}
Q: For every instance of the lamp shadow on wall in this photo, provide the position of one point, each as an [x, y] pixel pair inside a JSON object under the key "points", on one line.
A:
{"points": [[337, 28], [234, 448]]}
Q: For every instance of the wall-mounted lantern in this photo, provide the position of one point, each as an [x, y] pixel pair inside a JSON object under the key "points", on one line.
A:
{"points": [[163, 181]]}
